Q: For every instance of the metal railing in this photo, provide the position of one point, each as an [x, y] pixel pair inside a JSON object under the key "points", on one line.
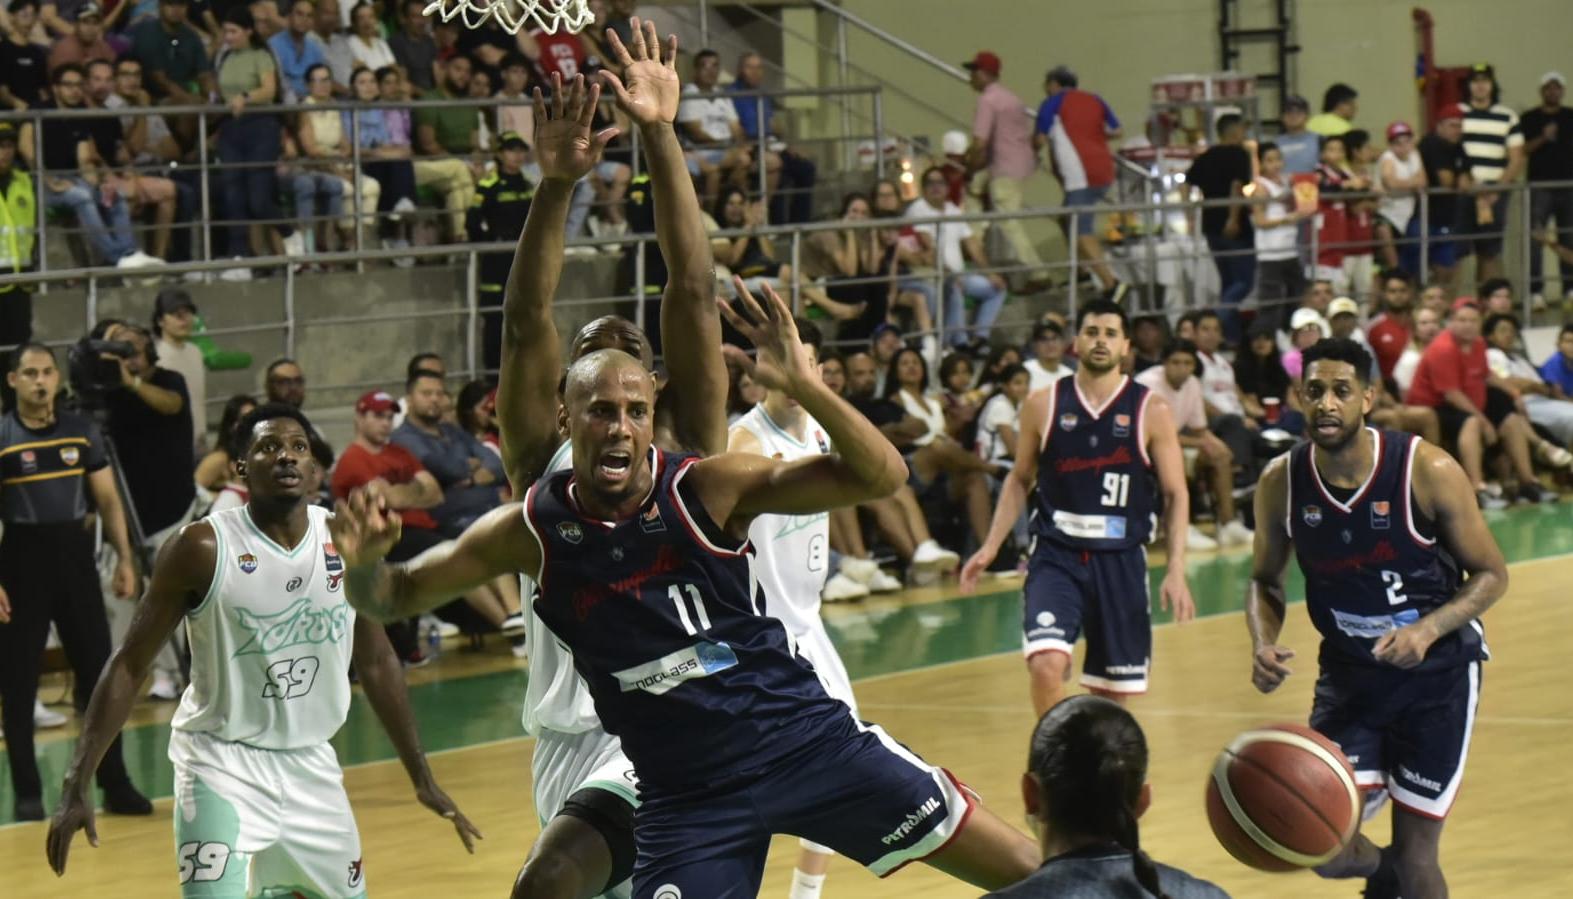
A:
{"points": [[201, 166], [1176, 260]]}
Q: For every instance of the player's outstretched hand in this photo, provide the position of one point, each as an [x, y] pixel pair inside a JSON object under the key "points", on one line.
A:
{"points": [[1174, 594], [432, 796], [973, 570], [781, 361], [364, 529], [649, 90], [75, 813], [1268, 669], [1404, 647], [564, 147]]}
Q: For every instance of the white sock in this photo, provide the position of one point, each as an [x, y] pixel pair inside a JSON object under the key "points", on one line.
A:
{"points": [[806, 886]]}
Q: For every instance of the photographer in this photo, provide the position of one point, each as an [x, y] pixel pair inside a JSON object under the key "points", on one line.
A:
{"points": [[50, 464], [149, 422]]}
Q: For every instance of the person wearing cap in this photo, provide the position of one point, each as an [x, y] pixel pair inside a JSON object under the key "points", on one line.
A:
{"points": [[1047, 364], [399, 477], [85, 41], [1340, 104], [1494, 146], [1075, 127], [1548, 145], [1476, 413], [1386, 411], [502, 201], [1300, 145], [174, 321], [1402, 176], [1306, 327], [18, 218], [1001, 151]]}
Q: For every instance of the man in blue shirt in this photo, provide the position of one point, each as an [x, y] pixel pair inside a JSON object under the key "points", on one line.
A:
{"points": [[1301, 147], [297, 49], [471, 476], [1558, 369], [793, 200]]}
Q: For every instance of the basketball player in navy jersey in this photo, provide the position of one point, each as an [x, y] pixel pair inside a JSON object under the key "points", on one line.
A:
{"points": [[647, 575], [1385, 528], [582, 782], [1088, 447]]}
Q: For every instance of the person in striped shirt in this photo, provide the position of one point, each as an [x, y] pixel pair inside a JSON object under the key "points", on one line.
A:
{"points": [[1494, 145]]}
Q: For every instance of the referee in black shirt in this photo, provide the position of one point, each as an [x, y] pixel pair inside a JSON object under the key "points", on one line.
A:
{"points": [[50, 464]]}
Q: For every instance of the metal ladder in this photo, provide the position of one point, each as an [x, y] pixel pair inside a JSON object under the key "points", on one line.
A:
{"points": [[1233, 38]]}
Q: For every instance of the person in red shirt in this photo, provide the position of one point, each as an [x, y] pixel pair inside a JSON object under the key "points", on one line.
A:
{"points": [[1475, 408], [1393, 330]]}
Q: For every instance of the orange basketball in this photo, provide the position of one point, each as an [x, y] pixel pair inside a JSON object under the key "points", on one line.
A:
{"points": [[1282, 798]]}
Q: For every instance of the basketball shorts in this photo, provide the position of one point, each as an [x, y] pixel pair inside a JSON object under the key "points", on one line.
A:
{"points": [[1406, 732], [852, 789], [1103, 594], [815, 645], [564, 764], [262, 823]]}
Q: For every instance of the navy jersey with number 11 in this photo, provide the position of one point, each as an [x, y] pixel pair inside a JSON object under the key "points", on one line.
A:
{"points": [[1094, 478], [1372, 563], [667, 624]]}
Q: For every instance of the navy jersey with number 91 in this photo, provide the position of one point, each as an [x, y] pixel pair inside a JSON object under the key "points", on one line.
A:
{"points": [[667, 625], [1094, 478], [1371, 562]]}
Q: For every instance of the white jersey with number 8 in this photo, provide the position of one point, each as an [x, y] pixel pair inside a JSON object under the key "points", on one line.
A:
{"points": [[272, 640]]}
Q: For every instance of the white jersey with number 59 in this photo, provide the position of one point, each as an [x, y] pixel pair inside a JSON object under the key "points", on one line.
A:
{"points": [[792, 552], [272, 640]]}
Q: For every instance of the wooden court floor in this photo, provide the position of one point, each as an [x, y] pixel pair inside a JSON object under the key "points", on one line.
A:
{"points": [[1509, 834]]}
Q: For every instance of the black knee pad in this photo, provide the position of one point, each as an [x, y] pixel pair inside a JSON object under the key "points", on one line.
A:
{"points": [[613, 818]]}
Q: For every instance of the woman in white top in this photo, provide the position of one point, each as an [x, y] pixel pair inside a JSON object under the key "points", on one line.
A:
{"points": [[934, 452], [365, 43], [1427, 326], [1280, 276], [1000, 421], [324, 143], [1402, 177]]}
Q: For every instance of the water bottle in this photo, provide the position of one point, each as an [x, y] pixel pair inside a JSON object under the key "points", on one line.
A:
{"points": [[433, 640]]}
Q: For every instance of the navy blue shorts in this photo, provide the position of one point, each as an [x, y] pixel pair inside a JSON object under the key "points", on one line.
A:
{"points": [[1406, 732], [853, 789], [1103, 594]]}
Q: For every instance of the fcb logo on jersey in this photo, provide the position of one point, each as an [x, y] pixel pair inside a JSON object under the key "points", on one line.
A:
{"points": [[650, 522], [1122, 425], [1068, 421], [1311, 515], [29, 461], [1381, 518], [70, 454], [331, 559], [248, 562], [570, 531]]}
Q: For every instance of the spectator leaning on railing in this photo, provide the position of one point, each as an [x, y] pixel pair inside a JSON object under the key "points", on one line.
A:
{"points": [[1221, 173], [18, 214], [1447, 171], [249, 144], [74, 176], [1275, 219], [1495, 147], [1548, 145]]}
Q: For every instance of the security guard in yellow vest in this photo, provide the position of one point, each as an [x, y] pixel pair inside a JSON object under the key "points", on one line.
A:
{"points": [[18, 226], [502, 201]]}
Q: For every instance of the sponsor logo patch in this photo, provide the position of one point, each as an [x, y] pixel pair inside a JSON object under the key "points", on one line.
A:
{"points": [[248, 562], [1372, 627], [299, 624], [29, 461], [662, 675], [913, 819], [650, 522], [1381, 517], [331, 559], [1122, 425]]}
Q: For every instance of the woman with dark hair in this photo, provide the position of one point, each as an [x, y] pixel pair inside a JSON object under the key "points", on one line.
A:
{"points": [[214, 472], [384, 135], [752, 256], [1264, 382], [1000, 359], [249, 145], [960, 400], [476, 410], [1086, 786], [850, 261], [936, 452]]}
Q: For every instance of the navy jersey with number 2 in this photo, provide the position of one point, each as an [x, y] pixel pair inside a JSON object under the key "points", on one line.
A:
{"points": [[667, 625], [1094, 476], [1371, 562]]}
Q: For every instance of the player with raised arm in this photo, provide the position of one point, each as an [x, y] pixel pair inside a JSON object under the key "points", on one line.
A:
{"points": [[583, 785], [647, 576], [1383, 525], [792, 560], [259, 796], [1088, 446]]}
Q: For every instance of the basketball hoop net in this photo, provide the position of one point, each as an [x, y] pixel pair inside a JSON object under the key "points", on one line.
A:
{"points": [[550, 15]]}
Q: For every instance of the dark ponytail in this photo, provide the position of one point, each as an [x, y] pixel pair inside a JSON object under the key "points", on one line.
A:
{"points": [[1090, 759]]}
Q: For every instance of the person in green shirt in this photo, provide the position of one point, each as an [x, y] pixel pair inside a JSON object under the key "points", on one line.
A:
{"points": [[248, 143], [445, 144]]}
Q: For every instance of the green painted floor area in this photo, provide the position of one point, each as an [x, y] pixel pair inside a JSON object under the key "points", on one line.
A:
{"points": [[460, 712]]}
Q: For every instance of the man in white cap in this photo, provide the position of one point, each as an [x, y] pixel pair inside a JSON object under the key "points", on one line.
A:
{"points": [[1548, 143], [1343, 319]]}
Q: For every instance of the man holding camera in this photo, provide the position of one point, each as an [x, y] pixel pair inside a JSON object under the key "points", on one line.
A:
{"points": [[150, 424], [50, 464]]}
